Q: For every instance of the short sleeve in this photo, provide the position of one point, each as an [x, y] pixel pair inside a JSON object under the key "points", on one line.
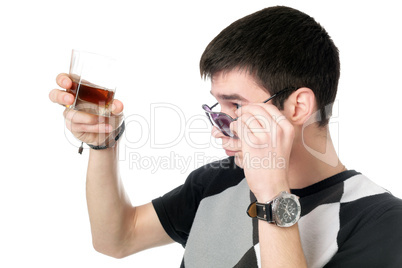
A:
{"points": [[177, 209], [378, 244]]}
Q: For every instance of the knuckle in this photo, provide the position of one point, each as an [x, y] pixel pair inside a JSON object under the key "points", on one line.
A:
{"points": [[59, 78], [86, 118], [279, 131], [69, 114], [234, 125], [68, 125], [93, 119], [56, 96], [78, 128], [53, 95], [62, 79], [60, 97], [287, 126], [291, 130]]}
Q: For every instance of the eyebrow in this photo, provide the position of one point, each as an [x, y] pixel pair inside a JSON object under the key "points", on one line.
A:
{"points": [[229, 97]]}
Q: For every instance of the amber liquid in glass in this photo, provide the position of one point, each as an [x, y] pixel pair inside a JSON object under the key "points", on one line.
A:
{"points": [[92, 93], [91, 98]]}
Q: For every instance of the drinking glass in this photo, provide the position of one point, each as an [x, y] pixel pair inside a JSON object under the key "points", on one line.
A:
{"points": [[94, 82]]}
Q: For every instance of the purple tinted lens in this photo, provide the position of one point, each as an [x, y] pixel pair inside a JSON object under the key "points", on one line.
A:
{"points": [[219, 120], [223, 123], [215, 117], [206, 108]]}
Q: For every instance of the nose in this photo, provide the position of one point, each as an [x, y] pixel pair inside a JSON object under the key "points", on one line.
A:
{"points": [[216, 133]]}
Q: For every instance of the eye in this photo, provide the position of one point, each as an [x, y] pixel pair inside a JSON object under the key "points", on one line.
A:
{"points": [[236, 105]]}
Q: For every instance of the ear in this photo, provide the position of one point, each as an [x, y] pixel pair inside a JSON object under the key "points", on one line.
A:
{"points": [[300, 106]]}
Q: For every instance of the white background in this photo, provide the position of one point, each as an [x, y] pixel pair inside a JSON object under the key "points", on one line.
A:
{"points": [[44, 219]]}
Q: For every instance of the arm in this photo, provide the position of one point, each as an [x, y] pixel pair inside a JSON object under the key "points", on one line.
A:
{"points": [[279, 247], [118, 228]]}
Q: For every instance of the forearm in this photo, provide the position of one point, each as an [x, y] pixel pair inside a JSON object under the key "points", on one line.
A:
{"points": [[109, 207], [280, 247]]}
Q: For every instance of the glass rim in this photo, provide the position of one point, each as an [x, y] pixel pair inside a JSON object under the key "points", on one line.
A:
{"points": [[219, 113], [81, 51]]}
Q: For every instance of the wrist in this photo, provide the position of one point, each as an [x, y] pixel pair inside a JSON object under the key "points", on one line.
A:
{"points": [[105, 149], [283, 210], [111, 141], [270, 195], [271, 188]]}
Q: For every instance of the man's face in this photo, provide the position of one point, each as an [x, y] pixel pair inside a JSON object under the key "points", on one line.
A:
{"points": [[232, 89]]}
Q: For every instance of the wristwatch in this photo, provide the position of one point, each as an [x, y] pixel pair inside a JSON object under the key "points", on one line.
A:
{"points": [[284, 210]]}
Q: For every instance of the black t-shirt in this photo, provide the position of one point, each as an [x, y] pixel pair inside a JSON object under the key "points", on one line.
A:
{"points": [[346, 220]]}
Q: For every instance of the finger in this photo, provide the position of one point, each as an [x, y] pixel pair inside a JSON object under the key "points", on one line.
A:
{"points": [[260, 114], [280, 124], [61, 97], [256, 123], [268, 114], [82, 117], [117, 107], [252, 132], [264, 109], [286, 127], [278, 117], [64, 81], [239, 129], [234, 128], [85, 128], [254, 109]]}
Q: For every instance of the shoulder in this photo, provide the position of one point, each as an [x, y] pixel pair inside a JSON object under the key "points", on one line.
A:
{"points": [[216, 175], [223, 167], [370, 226], [359, 186], [361, 195], [369, 211]]}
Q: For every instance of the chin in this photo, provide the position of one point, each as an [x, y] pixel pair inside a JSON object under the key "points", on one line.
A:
{"points": [[238, 160]]}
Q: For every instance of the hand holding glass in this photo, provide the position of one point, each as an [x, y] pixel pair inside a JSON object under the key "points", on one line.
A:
{"points": [[94, 82]]}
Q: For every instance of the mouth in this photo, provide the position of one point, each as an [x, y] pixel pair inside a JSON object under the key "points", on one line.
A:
{"points": [[231, 153], [231, 146]]}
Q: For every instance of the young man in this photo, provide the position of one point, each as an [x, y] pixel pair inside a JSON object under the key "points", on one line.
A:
{"points": [[282, 198]]}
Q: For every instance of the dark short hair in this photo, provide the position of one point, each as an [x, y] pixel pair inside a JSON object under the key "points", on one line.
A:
{"points": [[281, 47]]}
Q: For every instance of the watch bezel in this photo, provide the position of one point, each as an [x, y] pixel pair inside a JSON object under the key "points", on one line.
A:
{"points": [[275, 207]]}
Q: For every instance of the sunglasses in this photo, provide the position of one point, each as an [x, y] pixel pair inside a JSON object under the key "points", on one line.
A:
{"points": [[222, 121]]}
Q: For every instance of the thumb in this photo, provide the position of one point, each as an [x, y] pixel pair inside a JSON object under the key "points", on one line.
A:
{"points": [[117, 107]]}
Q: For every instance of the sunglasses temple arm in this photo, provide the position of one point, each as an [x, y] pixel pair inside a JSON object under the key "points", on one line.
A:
{"points": [[278, 93], [270, 98], [214, 105]]}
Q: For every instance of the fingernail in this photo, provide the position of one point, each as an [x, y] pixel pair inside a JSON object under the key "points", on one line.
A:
{"points": [[67, 99], [64, 83], [113, 108]]}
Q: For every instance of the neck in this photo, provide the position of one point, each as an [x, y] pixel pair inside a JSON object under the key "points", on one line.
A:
{"points": [[313, 158]]}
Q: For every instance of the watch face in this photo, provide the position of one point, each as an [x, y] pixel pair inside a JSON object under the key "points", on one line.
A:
{"points": [[286, 210]]}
